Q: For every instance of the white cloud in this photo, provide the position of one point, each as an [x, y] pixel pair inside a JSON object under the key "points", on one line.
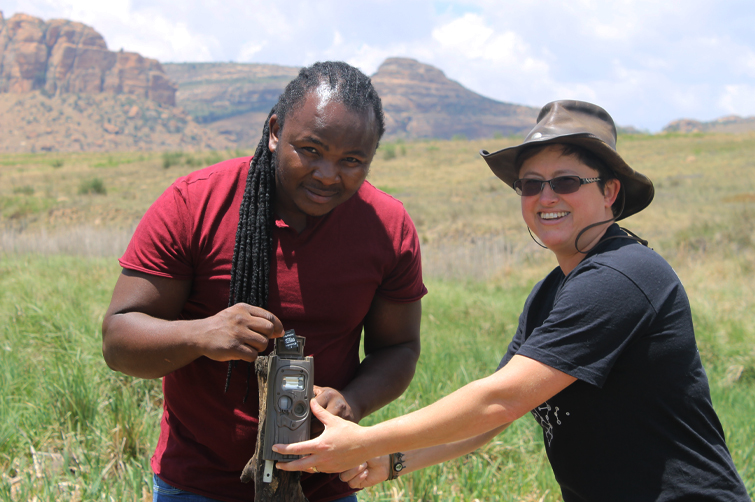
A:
{"points": [[175, 42], [738, 99], [248, 51], [471, 37]]}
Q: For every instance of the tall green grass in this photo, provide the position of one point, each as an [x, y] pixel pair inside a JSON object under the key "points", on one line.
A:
{"points": [[71, 429]]}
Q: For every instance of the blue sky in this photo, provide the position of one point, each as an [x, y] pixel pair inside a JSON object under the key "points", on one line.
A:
{"points": [[647, 62]]}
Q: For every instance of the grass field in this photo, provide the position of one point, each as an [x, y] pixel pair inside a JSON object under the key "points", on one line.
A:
{"points": [[71, 429]]}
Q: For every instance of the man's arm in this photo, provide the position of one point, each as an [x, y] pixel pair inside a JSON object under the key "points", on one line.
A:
{"points": [[141, 336], [392, 347]]}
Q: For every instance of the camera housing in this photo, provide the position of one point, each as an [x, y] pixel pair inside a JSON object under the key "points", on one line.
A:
{"points": [[290, 381]]}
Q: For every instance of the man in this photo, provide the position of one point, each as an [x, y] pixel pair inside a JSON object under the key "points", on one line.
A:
{"points": [[317, 249]]}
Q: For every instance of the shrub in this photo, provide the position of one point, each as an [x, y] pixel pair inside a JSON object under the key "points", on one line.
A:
{"points": [[171, 159], [389, 151], [57, 163], [24, 190], [93, 186]]}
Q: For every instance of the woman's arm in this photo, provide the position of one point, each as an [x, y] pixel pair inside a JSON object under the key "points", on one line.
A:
{"points": [[477, 408], [377, 470]]}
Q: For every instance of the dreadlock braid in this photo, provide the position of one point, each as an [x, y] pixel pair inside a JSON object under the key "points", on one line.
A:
{"points": [[250, 268], [253, 249]]}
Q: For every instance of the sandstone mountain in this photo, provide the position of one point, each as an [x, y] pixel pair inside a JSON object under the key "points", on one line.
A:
{"points": [[61, 89], [69, 57], [419, 100], [728, 124]]}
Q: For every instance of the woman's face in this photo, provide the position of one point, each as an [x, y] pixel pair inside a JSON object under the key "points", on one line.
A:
{"points": [[557, 219]]}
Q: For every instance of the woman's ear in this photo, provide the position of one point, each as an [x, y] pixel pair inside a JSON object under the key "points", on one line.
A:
{"points": [[611, 191], [274, 127]]}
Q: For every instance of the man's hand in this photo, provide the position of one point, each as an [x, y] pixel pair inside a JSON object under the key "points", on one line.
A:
{"points": [[334, 402], [241, 332], [143, 337], [374, 471]]}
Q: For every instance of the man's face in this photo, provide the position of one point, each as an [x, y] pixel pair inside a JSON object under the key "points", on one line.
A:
{"points": [[323, 155]]}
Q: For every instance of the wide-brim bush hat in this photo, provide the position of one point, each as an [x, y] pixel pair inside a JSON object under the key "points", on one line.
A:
{"points": [[586, 125]]}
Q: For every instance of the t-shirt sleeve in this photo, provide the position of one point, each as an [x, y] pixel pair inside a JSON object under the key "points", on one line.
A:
{"points": [[162, 240], [515, 343], [404, 282], [598, 312]]}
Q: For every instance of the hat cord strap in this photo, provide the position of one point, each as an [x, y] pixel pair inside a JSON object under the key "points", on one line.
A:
{"points": [[536, 241], [633, 236]]}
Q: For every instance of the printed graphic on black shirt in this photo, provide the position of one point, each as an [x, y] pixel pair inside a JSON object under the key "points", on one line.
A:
{"points": [[547, 416]]}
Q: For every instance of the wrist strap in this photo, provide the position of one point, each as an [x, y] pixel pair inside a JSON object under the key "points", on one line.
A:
{"points": [[396, 462]]}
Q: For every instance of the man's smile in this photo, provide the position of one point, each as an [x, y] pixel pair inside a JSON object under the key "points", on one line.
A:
{"points": [[319, 194]]}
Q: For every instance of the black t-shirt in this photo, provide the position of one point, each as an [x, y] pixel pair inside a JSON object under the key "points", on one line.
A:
{"points": [[638, 424]]}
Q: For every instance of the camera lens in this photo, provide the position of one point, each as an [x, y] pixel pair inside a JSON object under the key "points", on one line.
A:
{"points": [[300, 409]]}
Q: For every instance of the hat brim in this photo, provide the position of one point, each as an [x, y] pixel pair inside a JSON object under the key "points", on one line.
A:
{"points": [[638, 189]]}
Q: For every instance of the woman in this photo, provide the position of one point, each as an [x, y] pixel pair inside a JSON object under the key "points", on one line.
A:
{"points": [[604, 356]]}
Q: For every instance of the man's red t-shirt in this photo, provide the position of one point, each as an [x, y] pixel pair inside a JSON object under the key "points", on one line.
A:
{"points": [[322, 285]]}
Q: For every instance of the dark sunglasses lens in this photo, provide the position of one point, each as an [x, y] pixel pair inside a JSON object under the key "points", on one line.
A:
{"points": [[565, 184], [527, 187]]}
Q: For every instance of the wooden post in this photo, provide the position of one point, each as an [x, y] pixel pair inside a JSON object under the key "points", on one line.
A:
{"points": [[285, 486]]}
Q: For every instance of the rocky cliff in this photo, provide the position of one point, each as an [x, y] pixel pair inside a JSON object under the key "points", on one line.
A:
{"points": [[63, 56], [421, 102]]}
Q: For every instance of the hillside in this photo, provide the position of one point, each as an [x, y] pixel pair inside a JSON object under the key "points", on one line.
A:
{"points": [[728, 124], [38, 122], [231, 99], [419, 100]]}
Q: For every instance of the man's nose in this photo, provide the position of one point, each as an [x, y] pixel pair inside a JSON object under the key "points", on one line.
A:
{"points": [[326, 172]]}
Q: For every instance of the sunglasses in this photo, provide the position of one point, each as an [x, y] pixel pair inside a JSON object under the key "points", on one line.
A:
{"points": [[561, 185]]}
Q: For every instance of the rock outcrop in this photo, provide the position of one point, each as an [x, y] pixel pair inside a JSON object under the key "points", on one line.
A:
{"points": [[62, 56], [421, 102], [728, 124]]}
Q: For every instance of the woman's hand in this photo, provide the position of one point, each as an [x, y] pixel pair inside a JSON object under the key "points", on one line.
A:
{"points": [[338, 449], [335, 403], [374, 471]]}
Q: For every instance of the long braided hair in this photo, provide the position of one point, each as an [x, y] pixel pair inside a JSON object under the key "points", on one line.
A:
{"points": [[253, 250]]}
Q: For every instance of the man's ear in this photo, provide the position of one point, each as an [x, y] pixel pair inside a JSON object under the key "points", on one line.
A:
{"points": [[274, 126]]}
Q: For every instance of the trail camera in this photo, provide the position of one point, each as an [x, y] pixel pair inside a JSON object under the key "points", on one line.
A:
{"points": [[289, 388]]}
